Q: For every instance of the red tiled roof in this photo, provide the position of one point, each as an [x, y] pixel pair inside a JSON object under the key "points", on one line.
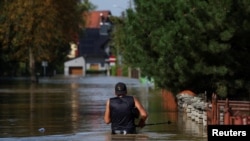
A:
{"points": [[93, 18]]}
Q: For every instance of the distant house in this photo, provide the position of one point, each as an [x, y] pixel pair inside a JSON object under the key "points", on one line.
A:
{"points": [[93, 43], [75, 67]]}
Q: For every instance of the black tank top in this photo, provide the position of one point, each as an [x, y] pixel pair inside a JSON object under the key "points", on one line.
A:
{"points": [[121, 115]]}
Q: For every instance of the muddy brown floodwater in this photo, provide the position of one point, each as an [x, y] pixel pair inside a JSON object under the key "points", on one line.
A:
{"points": [[71, 109]]}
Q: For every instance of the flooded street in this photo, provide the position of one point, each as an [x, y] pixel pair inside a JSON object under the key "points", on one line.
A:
{"points": [[72, 109]]}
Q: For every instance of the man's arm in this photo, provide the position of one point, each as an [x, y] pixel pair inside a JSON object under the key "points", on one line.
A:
{"points": [[107, 119], [143, 113]]}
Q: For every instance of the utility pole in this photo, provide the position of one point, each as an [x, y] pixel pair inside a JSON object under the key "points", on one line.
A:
{"points": [[130, 4]]}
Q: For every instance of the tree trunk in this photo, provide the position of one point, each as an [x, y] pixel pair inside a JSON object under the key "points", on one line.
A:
{"points": [[32, 66]]}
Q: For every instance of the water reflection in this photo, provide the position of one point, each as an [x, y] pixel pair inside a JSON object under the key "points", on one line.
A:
{"points": [[72, 108]]}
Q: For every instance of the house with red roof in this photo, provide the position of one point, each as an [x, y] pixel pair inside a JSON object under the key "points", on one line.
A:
{"points": [[93, 44]]}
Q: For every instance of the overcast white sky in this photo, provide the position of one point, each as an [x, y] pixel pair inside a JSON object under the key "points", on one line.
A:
{"points": [[115, 6]]}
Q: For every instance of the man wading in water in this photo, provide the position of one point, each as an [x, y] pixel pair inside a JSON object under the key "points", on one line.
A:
{"points": [[121, 113]]}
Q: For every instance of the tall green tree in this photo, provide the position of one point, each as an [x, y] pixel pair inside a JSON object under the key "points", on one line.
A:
{"points": [[34, 31], [190, 44]]}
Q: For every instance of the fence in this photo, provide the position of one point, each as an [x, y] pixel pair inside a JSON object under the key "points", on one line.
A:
{"points": [[228, 112], [216, 112]]}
